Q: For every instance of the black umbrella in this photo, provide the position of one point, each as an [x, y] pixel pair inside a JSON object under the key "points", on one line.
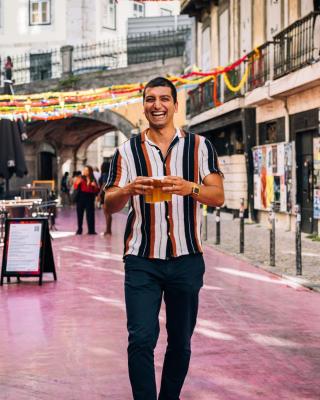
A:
{"points": [[12, 160]]}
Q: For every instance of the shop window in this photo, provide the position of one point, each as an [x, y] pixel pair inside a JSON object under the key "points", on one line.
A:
{"points": [[39, 12], [109, 14], [138, 9], [272, 131]]}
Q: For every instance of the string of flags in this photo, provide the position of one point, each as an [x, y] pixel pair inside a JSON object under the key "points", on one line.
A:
{"points": [[57, 105]]}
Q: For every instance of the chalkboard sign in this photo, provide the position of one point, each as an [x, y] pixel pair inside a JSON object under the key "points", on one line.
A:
{"points": [[27, 249]]}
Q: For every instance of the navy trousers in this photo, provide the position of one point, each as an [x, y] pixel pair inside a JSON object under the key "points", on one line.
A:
{"points": [[178, 281]]}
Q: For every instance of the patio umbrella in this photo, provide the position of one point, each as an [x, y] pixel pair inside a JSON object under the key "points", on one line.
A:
{"points": [[12, 160]]}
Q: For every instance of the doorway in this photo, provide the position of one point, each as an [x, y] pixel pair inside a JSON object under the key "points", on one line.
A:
{"points": [[304, 157], [47, 167]]}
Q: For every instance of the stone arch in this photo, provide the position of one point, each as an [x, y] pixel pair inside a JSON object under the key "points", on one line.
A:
{"points": [[115, 119]]}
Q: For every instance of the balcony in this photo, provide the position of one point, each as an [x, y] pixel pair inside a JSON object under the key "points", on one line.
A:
{"points": [[260, 66], [294, 48], [297, 46]]}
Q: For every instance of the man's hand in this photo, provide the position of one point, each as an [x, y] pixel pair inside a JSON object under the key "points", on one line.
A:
{"points": [[177, 185], [141, 185]]}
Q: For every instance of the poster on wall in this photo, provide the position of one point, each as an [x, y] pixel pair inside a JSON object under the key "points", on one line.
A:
{"points": [[273, 176], [316, 173]]}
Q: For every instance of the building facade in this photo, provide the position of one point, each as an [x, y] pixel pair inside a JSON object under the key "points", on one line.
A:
{"points": [[267, 132], [32, 25]]}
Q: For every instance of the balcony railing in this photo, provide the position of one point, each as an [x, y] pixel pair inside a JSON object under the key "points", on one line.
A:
{"points": [[234, 78], [260, 66], [201, 98], [297, 45]]}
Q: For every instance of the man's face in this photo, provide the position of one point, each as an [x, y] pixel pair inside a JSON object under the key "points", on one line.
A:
{"points": [[159, 107]]}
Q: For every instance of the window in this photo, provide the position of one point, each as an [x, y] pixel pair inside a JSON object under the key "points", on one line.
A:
{"points": [[40, 66], [39, 12], [109, 14], [138, 9], [164, 11]]}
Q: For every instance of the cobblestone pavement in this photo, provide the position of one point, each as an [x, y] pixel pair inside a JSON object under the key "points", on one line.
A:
{"points": [[257, 249]]}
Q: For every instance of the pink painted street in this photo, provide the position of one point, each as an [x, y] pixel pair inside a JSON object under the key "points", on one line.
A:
{"points": [[257, 335]]}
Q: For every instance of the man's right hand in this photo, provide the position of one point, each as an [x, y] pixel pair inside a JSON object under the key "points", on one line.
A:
{"points": [[141, 185]]}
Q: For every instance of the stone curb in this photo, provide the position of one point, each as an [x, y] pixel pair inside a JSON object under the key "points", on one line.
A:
{"points": [[302, 282]]}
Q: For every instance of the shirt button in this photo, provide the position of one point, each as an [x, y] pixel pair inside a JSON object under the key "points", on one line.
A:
{"points": [[169, 233]]}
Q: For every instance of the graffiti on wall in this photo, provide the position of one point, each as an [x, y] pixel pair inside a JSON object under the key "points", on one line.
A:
{"points": [[273, 176]]}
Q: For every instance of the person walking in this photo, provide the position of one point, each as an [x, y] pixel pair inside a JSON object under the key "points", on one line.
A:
{"points": [[163, 254], [65, 189], [102, 181], [87, 188]]}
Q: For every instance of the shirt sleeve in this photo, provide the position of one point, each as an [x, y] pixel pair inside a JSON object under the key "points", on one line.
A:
{"points": [[118, 172], [209, 163]]}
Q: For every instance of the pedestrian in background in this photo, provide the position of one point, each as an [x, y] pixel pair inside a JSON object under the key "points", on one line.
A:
{"points": [[87, 188], [105, 167], [65, 189], [163, 253], [8, 69]]}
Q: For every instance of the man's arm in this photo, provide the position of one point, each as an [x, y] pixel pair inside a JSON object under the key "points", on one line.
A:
{"points": [[211, 192], [116, 198]]}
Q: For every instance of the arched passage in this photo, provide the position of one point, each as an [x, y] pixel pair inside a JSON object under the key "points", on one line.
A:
{"points": [[71, 136]]}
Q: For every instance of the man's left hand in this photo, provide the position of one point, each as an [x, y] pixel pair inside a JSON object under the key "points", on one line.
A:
{"points": [[177, 185]]}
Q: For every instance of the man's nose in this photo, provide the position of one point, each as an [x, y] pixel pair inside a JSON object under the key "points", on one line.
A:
{"points": [[157, 103]]}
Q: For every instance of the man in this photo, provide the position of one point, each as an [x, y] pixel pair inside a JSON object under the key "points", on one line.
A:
{"points": [[163, 254]]}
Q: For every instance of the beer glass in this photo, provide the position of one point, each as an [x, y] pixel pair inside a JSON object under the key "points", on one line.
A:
{"points": [[157, 195]]}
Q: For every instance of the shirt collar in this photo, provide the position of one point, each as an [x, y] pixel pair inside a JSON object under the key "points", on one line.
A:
{"points": [[179, 133]]}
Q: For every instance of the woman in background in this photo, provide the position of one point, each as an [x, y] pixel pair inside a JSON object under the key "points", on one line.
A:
{"points": [[102, 181], [88, 189]]}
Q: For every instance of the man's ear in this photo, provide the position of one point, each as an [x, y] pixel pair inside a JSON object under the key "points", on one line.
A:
{"points": [[176, 106]]}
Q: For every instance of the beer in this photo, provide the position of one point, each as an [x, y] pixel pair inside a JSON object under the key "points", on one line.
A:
{"points": [[157, 195]]}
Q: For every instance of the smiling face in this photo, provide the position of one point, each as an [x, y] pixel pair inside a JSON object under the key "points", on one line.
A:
{"points": [[159, 106]]}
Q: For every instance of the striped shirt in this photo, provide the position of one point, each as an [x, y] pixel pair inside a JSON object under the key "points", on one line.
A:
{"points": [[166, 229]]}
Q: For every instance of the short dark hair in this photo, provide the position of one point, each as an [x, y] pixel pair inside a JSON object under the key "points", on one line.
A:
{"points": [[160, 81]]}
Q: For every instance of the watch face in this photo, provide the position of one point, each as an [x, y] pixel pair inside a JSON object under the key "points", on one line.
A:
{"points": [[196, 190]]}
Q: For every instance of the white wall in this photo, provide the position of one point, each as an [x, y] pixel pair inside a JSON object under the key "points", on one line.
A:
{"points": [[72, 22], [17, 35]]}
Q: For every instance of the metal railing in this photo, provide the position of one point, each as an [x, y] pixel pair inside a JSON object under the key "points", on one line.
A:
{"points": [[160, 46], [201, 98], [99, 56], [260, 66], [234, 78], [31, 67], [298, 45]]}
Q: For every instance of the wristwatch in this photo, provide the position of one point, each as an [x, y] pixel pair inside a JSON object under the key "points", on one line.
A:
{"points": [[195, 189]]}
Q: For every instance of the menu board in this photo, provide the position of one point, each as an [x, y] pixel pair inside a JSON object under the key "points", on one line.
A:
{"points": [[24, 244], [27, 249]]}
